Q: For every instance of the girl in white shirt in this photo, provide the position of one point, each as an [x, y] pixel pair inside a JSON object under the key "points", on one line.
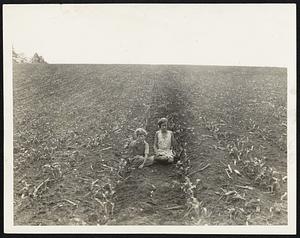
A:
{"points": [[164, 143]]}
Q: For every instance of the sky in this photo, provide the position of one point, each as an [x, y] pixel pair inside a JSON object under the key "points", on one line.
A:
{"points": [[199, 34]]}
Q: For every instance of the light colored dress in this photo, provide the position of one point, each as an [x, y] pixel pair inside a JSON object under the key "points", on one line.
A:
{"points": [[164, 144]]}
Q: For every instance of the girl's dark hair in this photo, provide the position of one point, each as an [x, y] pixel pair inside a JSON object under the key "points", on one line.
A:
{"points": [[161, 121]]}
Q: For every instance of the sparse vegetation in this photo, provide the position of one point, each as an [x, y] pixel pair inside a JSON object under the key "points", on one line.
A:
{"points": [[72, 124]]}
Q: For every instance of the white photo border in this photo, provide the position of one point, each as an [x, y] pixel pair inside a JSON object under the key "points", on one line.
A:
{"points": [[9, 227]]}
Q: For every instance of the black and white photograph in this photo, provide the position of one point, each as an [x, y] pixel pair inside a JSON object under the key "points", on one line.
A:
{"points": [[150, 118]]}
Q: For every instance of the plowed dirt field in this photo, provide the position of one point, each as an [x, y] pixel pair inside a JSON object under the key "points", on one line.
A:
{"points": [[72, 123]]}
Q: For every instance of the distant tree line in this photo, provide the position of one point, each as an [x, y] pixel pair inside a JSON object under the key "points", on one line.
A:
{"points": [[38, 59], [20, 58]]}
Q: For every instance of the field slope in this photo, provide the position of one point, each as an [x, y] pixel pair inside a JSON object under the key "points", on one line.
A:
{"points": [[72, 122]]}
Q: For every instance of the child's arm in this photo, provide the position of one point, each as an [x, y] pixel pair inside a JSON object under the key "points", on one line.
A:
{"points": [[146, 154], [146, 149]]}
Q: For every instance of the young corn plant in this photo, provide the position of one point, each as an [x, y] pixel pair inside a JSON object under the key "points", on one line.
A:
{"points": [[244, 155], [195, 208], [54, 170], [103, 195]]}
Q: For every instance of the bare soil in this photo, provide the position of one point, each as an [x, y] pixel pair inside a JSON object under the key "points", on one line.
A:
{"points": [[71, 123]]}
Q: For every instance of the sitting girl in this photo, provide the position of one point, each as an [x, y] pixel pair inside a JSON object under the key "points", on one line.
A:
{"points": [[164, 143], [139, 150]]}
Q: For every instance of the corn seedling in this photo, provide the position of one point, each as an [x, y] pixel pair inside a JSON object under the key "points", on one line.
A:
{"points": [[38, 187]]}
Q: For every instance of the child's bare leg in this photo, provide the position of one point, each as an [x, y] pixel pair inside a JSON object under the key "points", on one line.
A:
{"points": [[138, 157], [165, 158], [147, 162], [137, 161]]}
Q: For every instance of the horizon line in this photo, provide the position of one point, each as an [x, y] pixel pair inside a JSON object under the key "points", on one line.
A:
{"points": [[163, 64]]}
